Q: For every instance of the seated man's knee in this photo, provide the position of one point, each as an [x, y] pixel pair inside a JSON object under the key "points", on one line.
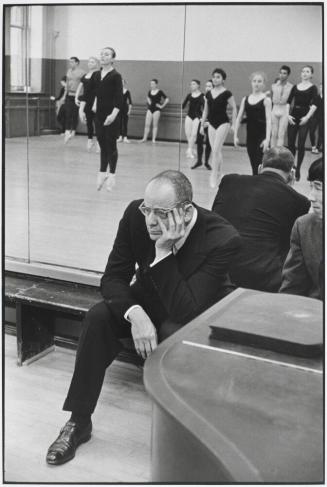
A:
{"points": [[98, 316]]}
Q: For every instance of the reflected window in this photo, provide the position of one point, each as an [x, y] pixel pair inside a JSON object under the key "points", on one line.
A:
{"points": [[26, 30], [18, 26]]}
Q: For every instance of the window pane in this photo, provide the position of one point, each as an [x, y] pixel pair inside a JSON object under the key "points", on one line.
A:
{"points": [[17, 17], [16, 58]]}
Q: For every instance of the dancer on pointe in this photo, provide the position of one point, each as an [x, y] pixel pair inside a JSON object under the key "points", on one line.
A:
{"points": [[257, 107], [125, 112], [304, 101], [89, 97], [156, 100], [195, 102], [280, 90], [215, 110], [203, 137], [108, 87]]}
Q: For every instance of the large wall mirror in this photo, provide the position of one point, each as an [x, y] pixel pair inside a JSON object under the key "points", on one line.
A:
{"points": [[16, 130], [55, 217]]}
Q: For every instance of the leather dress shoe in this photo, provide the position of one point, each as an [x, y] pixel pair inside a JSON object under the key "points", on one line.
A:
{"points": [[70, 437]]}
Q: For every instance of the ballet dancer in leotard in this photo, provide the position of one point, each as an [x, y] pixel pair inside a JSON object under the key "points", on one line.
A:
{"points": [[108, 86], [279, 116], [317, 121], [156, 100], [125, 112], [303, 98], [60, 105], [201, 137], [257, 107], [215, 110], [195, 102], [89, 97]]}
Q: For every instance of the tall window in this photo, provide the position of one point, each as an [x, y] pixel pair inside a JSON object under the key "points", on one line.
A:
{"points": [[25, 48], [17, 39]]}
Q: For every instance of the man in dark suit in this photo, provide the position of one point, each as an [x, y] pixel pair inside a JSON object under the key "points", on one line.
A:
{"points": [[182, 253], [263, 208]]}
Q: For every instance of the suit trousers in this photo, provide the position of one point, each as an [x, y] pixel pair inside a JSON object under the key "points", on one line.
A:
{"points": [[97, 348]]}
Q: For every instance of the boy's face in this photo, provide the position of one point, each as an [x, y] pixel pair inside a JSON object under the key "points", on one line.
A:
{"points": [[316, 197]]}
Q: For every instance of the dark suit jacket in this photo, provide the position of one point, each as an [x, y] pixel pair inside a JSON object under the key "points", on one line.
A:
{"points": [[179, 287], [263, 209], [303, 268]]}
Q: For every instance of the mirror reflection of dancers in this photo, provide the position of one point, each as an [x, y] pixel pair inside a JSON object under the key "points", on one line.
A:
{"points": [[203, 137], [74, 75], [156, 101], [89, 97], [279, 115], [257, 107], [317, 121], [124, 114], [60, 105], [215, 110], [195, 102], [303, 98], [108, 88]]}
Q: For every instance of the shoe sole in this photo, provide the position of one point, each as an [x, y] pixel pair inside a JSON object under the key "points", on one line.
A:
{"points": [[61, 462]]}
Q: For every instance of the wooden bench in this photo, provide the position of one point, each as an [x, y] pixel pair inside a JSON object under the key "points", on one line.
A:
{"points": [[39, 301]]}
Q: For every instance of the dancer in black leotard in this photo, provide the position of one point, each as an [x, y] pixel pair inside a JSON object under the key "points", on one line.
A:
{"points": [[215, 110], [303, 98], [108, 87], [125, 112], [257, 108], [60, 105], [88, 96], [317, 121], [200, 139], [156, 100], [195, 102]]}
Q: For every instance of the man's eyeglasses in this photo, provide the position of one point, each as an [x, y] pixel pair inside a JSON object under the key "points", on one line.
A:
{"points": [[159, 212]]}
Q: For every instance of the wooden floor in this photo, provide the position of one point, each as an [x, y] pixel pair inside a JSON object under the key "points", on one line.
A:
{"points": [[119, 450], [60, 218]]}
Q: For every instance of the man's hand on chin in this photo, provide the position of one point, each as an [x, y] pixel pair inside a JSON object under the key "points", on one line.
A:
{"points": [[143, 331], [170, 234]]}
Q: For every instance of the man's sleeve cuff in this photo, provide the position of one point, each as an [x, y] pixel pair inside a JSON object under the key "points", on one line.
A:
{"points": [[129, 310], [156, 261]]}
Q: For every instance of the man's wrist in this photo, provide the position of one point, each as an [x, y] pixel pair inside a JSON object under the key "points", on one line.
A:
{"points": [[129, 312]]}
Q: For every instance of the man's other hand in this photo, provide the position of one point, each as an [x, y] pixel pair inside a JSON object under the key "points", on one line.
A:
{"points": [[143, 331]]}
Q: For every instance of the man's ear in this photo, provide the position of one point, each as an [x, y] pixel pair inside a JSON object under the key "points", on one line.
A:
{"points": [[260, 168], [188, 209], [291, 177]]}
